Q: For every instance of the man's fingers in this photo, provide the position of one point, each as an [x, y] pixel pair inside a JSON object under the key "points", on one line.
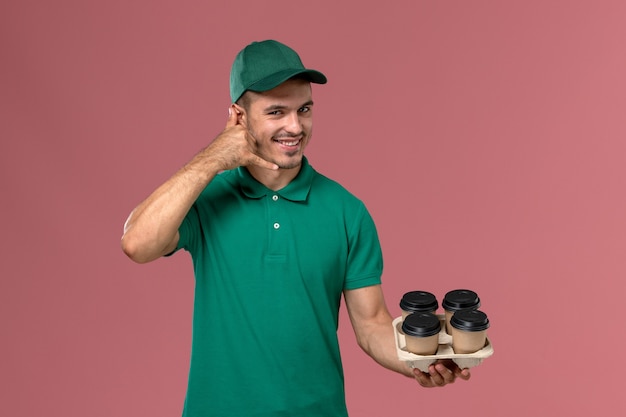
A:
{"points": [[439, 375], [442, 372], [464, 374], [258, 161], [422, 378], [458, 372]]}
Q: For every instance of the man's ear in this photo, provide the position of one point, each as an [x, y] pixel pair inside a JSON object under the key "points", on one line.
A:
{"points": [[241, 114]]}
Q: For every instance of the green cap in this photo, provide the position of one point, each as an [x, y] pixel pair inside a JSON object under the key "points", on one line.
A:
{"points": [[264, 65]]}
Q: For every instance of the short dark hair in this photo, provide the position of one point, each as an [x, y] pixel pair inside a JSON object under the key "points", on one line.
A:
{"points": [[244, 101]]}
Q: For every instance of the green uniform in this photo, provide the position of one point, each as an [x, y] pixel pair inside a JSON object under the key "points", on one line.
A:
{"points": [[270, 268]]}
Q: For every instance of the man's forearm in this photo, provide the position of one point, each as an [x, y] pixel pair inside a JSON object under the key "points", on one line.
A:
{"points": [[380, 345], [151, 230]]}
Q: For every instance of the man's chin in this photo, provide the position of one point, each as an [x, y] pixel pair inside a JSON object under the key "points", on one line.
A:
{"points": [[290, 163]]}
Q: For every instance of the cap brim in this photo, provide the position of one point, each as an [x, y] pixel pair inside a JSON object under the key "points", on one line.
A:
{"points": [[280, 77]]}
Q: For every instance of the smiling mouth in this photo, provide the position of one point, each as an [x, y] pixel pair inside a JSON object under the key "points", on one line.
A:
{"points": [[289, 143]]}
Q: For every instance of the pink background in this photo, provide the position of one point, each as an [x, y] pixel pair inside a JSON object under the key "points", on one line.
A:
{"points": [[486, 137]]}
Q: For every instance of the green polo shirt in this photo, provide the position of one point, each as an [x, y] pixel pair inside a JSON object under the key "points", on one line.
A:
{"points": [[270, 268]]}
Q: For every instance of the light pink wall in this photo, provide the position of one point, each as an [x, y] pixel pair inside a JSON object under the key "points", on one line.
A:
{"points": [[487, 138]]}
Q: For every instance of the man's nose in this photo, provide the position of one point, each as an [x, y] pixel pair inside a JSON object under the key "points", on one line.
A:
{"points": [[292, 123]]}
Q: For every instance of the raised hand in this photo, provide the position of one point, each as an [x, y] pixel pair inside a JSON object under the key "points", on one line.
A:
{"points": [[235, 146]]}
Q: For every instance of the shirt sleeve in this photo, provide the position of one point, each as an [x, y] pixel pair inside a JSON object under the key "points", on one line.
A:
{"points": [[189, 231], [365, 260]]}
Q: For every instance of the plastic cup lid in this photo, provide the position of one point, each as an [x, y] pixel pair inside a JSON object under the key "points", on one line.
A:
{"points": [[470, 320], [460, 300], [419, 301], [421, 324]]}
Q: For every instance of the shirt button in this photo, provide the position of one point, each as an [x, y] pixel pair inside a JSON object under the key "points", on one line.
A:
{"points": [[276, 226], [275, 197]]}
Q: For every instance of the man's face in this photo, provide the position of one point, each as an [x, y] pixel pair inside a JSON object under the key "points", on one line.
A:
{"points": [[281, 121]]}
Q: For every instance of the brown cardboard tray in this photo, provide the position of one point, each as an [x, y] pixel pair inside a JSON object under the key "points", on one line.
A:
{"points": [[444, 351]]}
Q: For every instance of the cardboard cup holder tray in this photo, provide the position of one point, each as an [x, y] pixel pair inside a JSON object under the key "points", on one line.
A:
{"points": [[444, 351]]}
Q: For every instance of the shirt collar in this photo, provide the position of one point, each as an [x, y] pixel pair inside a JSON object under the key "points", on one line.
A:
{"points": [[296, 190]]}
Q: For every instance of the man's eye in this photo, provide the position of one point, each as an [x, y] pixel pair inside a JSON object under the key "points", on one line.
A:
{"points": [[304, 109], [274, 113]]}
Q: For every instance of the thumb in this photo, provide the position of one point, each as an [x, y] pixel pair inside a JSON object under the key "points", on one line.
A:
{"points": [[232, 116]]}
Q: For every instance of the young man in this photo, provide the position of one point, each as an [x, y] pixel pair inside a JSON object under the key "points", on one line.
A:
{"points": [[274, 246]]}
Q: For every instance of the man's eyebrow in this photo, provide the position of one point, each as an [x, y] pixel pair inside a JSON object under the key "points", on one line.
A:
{"points": [[274, 107]]}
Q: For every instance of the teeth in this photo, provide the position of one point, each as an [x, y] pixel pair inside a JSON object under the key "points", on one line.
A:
{"points": [[293, 143]]}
